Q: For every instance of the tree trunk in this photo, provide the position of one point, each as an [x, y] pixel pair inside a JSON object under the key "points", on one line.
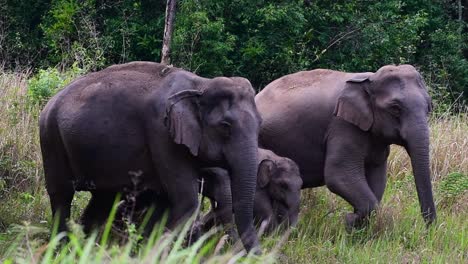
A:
{"points": [[463, 15], [460, 18], [168, 29]]}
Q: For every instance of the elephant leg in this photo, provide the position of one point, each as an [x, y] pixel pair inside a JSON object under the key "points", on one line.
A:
{"points": [[218, 189], [376, 176], [61, 205], [58, 182], [181, 190], [182, 208], [98, 210], [347, 179], [223, 210], [160, 206], [223, 215], [360, 196], [178, 179]]}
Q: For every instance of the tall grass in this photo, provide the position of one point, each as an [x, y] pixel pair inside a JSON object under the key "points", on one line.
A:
{"points": [[31, 245], [21, 175], [449, 148], [397, 233], [20, 157]]}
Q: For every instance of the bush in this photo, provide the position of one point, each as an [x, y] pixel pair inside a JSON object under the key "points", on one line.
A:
{"points": [[47, 83], [453, 191], [454, 185], [43, 85]]}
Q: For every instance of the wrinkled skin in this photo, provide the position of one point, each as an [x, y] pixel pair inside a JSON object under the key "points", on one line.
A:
{"points": [[277, 196], [338, 127], [145, 126]]}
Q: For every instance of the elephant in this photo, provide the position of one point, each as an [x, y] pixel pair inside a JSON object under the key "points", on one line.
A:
{"points": [[277, 196], [338, 127], [148, 126]]}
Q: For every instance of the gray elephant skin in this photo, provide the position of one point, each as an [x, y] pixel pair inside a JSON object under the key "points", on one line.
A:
{"points": [[338, 127], [146, 126], [277, 196]]}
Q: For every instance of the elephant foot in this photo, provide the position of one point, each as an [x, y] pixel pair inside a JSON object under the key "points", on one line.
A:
{"points": [[233, 236], [354, 221]]}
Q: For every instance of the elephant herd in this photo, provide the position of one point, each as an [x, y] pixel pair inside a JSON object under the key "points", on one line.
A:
{"points": [[161, 131]]}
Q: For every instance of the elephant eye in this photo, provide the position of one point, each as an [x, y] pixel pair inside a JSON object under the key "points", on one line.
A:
{"points": [[225, 128], [395, 109]]}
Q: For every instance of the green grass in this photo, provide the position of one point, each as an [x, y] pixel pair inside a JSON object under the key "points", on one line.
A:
{"points": [[396, 234], [31, 244]]}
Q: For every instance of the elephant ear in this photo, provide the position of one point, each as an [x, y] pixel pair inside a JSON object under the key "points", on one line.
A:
{"points": [[354, 104], [183, 119], [265, 171]]}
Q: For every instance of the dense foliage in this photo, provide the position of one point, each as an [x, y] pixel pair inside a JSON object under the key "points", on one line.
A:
{"points": [[259, 39]]}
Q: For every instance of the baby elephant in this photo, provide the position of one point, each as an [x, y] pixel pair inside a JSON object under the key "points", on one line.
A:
{"points": [[277, 195]]}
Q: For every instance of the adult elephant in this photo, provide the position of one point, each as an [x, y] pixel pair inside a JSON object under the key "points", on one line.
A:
{"points": [[145, 126], [338, 126]]}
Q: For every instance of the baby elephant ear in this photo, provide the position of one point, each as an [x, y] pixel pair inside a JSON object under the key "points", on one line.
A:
{"points": [[183, 119], [354, 104], [265, 171]]}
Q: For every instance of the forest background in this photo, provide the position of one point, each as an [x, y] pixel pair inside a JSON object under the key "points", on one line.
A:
{"points": [[261, 40]]}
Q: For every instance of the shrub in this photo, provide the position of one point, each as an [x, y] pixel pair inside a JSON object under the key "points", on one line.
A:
{"points": [[43, 85], [454, 184], [47, 83]]}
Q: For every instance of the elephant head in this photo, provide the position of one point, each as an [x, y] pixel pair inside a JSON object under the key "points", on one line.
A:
{"points": [[217, 120], [279, 183], [393, 105]]}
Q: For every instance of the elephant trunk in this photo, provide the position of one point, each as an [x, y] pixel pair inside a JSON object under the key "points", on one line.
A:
{"points": [[243, 172], [294, 213], [418, 149]]}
